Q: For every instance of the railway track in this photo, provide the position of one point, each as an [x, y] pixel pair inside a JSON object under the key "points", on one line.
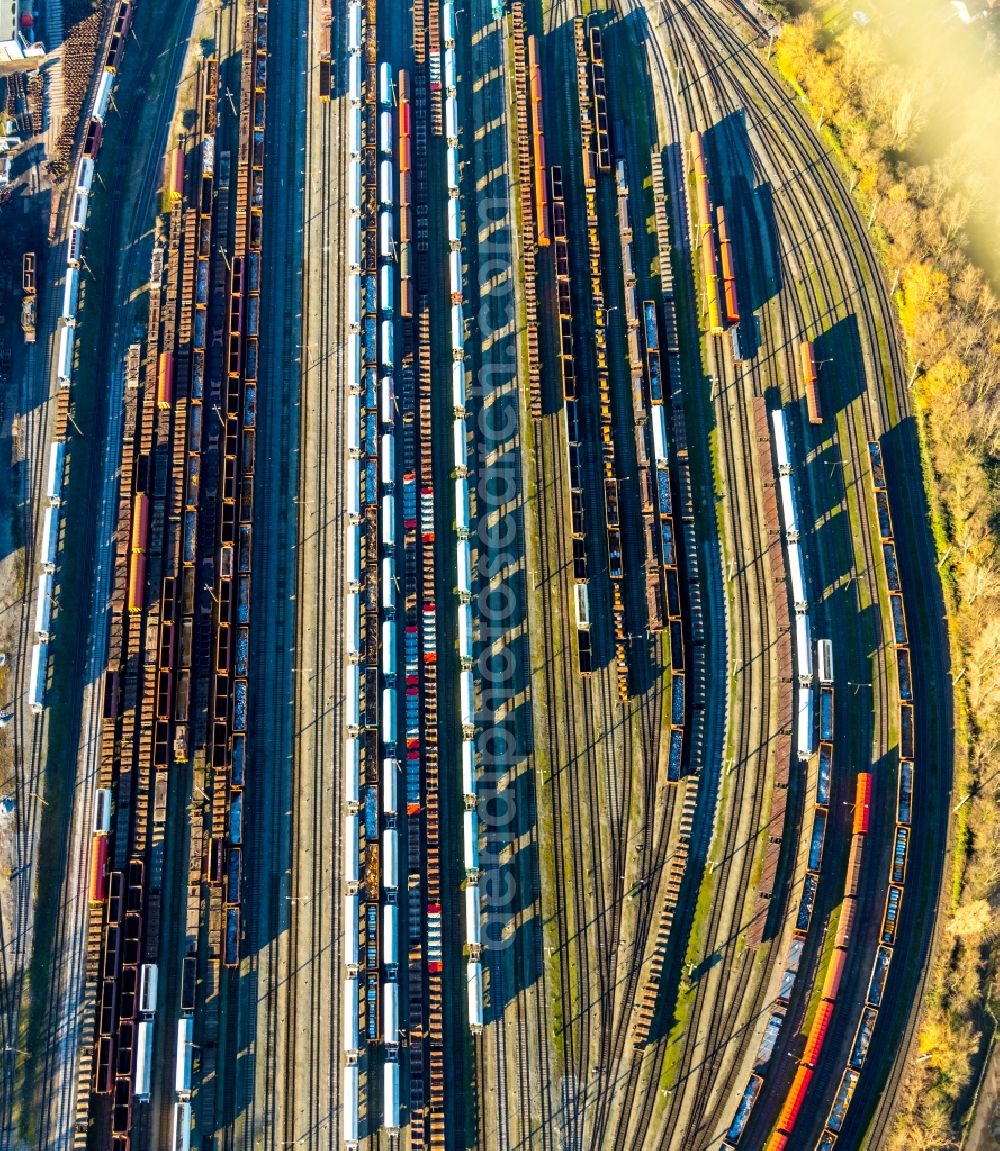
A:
{"points": [[64, 1016], [317, 897], [878, 405], [876, 416], [795, 215], [12, 966], [608, 755], [752, 727], [715, 69], [269, 990], [518, 1113], [615, 763], [575, 717]]}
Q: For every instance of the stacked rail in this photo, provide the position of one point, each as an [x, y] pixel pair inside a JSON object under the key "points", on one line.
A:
{"points": [[791, 970], [121, 1043], [357, 541], [428, 740], [674, 500], [229, 687], [371, 616], [904, 810], [424, 951], [805, 746]]}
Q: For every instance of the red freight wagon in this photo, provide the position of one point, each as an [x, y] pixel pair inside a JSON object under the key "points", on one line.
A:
{"points": [[817, 1034], [99, 868], [140, 522], [536, 78], [862, 802], [543, 230], [104, 1079], [124, 19], [793, 1105], [92, 144], [113, 59]]}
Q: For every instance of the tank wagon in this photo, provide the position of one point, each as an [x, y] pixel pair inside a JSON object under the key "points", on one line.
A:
{"points": [[705, 229], [543, 230]]}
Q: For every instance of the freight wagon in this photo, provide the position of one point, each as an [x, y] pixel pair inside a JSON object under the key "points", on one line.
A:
{"points": [[808, 367], [728, 273], [64, 371], [38, 673]]}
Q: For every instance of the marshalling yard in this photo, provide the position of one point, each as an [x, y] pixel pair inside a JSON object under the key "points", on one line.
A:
{"points": [[481, 678]]}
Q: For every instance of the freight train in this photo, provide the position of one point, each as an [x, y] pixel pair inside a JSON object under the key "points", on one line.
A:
{"points": [[371, 847], [154, 627], [716, 255], [808, 671], [885, 951], [571, 418], [65, 351], [805, 710], [464, 461], [816, 1037], [595, 141], [705, 232]]}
